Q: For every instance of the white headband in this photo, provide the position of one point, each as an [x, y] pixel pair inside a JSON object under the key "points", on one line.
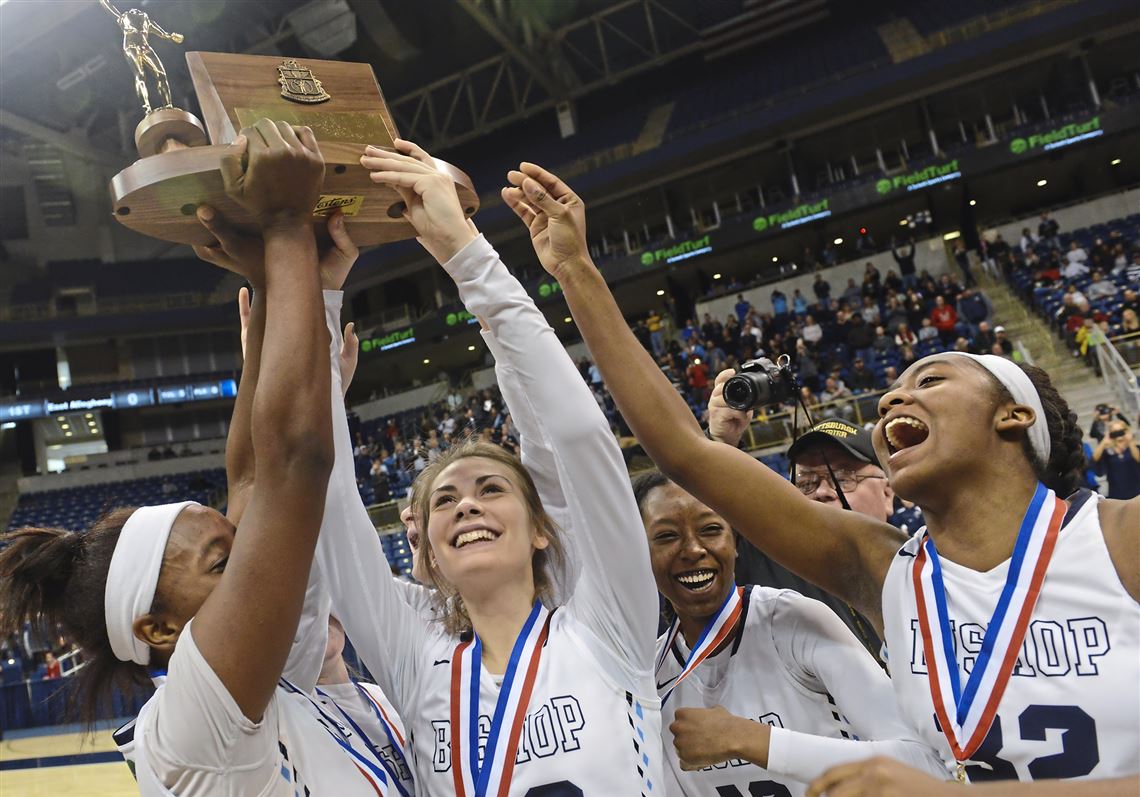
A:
{"points": [[1020, 387], [133, 576]]}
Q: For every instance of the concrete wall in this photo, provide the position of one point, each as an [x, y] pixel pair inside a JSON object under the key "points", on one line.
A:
{"points": [[390, 405], [1072, 218], [929, 255], [122, 473]]}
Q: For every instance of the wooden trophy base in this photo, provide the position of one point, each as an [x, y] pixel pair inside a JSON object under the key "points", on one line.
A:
{"points": [[159, 195], [166, 129]]}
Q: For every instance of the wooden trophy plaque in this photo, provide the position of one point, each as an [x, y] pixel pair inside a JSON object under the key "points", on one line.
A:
{"points": [[342, 102]]}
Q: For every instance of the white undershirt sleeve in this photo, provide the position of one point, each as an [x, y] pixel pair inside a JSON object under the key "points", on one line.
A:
{"points": [[386, 629], [615, 595], [821, 652]]}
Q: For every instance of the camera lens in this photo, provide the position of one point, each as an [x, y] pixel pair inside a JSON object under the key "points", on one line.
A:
{"points": [[739, 393]]}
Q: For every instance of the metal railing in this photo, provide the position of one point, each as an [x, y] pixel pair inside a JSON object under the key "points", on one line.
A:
{"points": [[772, 430], [1119, 360]]}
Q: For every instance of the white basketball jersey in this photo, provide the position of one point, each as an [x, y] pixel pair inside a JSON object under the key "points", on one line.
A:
{"points": [[1072, 705], [756, 678], [391, 741], [582, 733]]}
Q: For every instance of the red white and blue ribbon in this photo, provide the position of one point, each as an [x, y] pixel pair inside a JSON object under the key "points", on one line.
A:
{"points": [[368, 761], [717, 630], [394, 737], [491, 777], [967, 714]]}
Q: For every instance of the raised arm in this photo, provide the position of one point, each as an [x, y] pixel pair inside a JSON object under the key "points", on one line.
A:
{"points": [[843, 552], [615, 594], [252, 613]]}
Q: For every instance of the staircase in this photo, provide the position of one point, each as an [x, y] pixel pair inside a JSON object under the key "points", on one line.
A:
{"points": [[1075, 380]]}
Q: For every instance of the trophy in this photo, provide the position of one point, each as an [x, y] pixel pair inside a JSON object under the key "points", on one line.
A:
{"points": [[180, 169]]}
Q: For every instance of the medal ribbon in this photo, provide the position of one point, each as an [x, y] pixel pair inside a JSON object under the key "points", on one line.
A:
{"points": [[493, 777], [717, 630], [374, 771], [393, 737], [966, 715]]}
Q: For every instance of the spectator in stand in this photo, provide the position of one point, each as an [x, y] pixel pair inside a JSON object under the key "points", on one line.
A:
{"points": [[1132, 271], [657, 332], [907, 357], [852, 294], [861, 378], [927, 331], [883, 341], [945, 319], [688, 331], [974, 307], [859, 337], [962, 344], [742, 307], [1002, 340], [779, 305], [1047, 231], [1087, 338], [835, 391], [52, 668], [947, 288], [905, 336], [698, 376], [870, 310], [903, 253], [641, 332], [808, 398], [1100, 287], [821, 288], [895, 315], [984, 339], [890, 376], [1117, 457], [710, 328], [1076, 258], [799, 303], [811, 332], [915, 307], [1028, 239], [1105, 415], [962, 257], [1130, 301]]}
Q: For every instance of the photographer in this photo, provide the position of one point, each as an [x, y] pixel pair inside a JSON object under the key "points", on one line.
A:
{"points": [[1104, 416], [1117, 457]]}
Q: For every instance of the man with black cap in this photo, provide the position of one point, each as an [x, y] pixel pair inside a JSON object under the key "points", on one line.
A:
{"points": [[854, 470]]}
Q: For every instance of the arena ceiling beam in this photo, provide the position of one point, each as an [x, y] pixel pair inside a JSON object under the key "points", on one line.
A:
{"points": [[68, 143], [495, 30], [600, 50]]}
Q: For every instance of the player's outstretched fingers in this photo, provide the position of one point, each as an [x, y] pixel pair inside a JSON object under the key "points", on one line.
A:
{"points": [[538, 197], [414, 150], [550, 181], [514, 200]]}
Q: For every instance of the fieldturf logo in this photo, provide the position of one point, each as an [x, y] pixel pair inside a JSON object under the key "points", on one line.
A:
{"points": [[921, 178], [682, 251], [460, 317], [401, 337], [1061, 137], [800, 214], [547, 289]]}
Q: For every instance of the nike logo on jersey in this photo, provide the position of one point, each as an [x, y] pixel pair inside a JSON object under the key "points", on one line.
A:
{"points": [[438, 662]]}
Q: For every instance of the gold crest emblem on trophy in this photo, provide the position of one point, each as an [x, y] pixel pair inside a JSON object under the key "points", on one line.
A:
{"points": [[179, 168]]}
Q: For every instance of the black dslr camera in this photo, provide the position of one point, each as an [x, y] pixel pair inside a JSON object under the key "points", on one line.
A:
{"points": [[761, 382]]}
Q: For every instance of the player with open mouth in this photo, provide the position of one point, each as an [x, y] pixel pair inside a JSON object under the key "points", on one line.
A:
{"points": [[1011, 619], [762, 688]]}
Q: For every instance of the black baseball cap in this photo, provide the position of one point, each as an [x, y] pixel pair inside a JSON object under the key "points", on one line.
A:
{"points": [[855, 440]]}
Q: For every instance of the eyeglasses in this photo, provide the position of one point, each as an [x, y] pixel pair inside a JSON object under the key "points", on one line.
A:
{"points": [[808, 483]]}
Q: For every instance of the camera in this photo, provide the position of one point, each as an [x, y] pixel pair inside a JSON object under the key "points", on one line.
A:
{"points": [[1118, 434], [761, 382]]}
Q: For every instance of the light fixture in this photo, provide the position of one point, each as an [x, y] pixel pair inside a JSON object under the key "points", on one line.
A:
{"points": [[950, 236], [67, 434], [837, 241], [903, 222], [1042, 183], [567, 320], [716, 276], [775, 259], [61, 419], [88, 415], [973, 202], [470, 348], [696, 361], [661, 293], [1114, 162], [427, 361]]}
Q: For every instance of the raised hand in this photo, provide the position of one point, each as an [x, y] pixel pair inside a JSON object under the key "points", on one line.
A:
{"points": [[244, 254], [878, 777], [349, 354], [554, 215], [726, 425], [283, 179], [433, 207]]}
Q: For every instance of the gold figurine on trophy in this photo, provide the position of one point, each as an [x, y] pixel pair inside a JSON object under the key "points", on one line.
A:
{"points": [[137, 26]]}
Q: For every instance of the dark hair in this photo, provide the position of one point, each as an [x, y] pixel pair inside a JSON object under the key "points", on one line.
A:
{"points": [[645, 483], [1064, 472], [59, 577]]}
